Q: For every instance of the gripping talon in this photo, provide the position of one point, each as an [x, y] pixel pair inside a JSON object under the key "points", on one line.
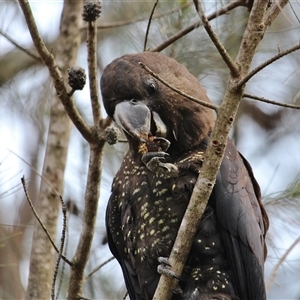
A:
{"points": [[164, 261], [155, 162], [164, 270], [164, 266]]}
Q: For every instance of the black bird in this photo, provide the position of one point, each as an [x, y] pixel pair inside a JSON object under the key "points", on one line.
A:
{"points": [[167, 136]]}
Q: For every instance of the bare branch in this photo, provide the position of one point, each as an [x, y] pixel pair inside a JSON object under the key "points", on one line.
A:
{"points": [[20, 47], [262, 99], [93, 71], [234, 70], [294, 12], [54, 190], [91, 12], [267, 63], [195, 25], [273, 11], [252, 35], [89, 219], [40, 221], [149, 23], [61, 249], [55, 73], [129, 22], [280, 262], [199, 101], [98, 268]]}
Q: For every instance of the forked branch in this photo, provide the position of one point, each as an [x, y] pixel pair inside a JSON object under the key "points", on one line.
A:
{"points": [[49, 61]]}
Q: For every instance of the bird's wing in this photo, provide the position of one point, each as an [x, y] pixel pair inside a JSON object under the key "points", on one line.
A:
{"points": [[239, 212], [129, 274]]}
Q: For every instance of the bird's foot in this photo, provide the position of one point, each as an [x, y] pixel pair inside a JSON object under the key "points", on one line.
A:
{"points": [[155, 162], [178, 292], [161, 143], [164, 268]]}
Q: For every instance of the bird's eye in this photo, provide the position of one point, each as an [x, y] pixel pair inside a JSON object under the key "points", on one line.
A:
{"points": [[151, 87], [133, 101]]}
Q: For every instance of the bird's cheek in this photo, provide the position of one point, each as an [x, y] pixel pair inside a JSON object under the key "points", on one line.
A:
{"points": [[160, 126]]}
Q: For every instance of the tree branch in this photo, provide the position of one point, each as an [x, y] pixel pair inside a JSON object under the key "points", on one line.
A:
{"points": [[90, 13], [53, 189], [195, 25], [89, 219], [93, 71], [41, 223], [42, 254], [226, 57], [280, 262], [149, 23], [132, 21], [98, 268], [262, 99], [55, 73], [61, 249], [267, 63], [273, 11], [199, 101], [35, 57]]}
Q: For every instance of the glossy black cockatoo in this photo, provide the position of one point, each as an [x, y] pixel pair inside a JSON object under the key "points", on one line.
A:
{"points": [[168, 135]]}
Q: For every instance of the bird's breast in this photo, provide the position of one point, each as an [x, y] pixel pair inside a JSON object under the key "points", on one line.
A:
{"points": [[150, 207]]}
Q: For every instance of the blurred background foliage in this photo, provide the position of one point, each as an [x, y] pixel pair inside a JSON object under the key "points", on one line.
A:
{"points": [[267, 135]]}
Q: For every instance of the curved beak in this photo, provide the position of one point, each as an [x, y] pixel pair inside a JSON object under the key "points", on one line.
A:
{"points": [[134, 118]]}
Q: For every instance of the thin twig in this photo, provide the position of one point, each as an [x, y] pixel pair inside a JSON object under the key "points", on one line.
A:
{"points": [[214, 38], [55, 73], [129, 22], [126, 294], [40, 221], [98, 268], [44, 178], [280, 262], [148, 25], [294, 12], [225, 9], [93, 71], [266, 63], [61, 249], [35, 57], [273, 11], [11, 235], [199, 101], [262, 99], [62, 272]]}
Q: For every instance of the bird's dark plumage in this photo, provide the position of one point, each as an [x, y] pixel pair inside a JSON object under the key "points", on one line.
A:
{"points": [[167, 136]]}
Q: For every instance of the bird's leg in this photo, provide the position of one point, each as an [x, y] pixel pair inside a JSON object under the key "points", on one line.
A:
{"points": [[155, 162]]}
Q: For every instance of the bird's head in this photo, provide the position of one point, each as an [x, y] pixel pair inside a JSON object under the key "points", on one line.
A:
{"points": [[144, 107]]}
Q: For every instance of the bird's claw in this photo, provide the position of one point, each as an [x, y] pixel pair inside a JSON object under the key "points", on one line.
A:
{"points": [[164, 268], [163, 143], [155, 162], [164, 261]]}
